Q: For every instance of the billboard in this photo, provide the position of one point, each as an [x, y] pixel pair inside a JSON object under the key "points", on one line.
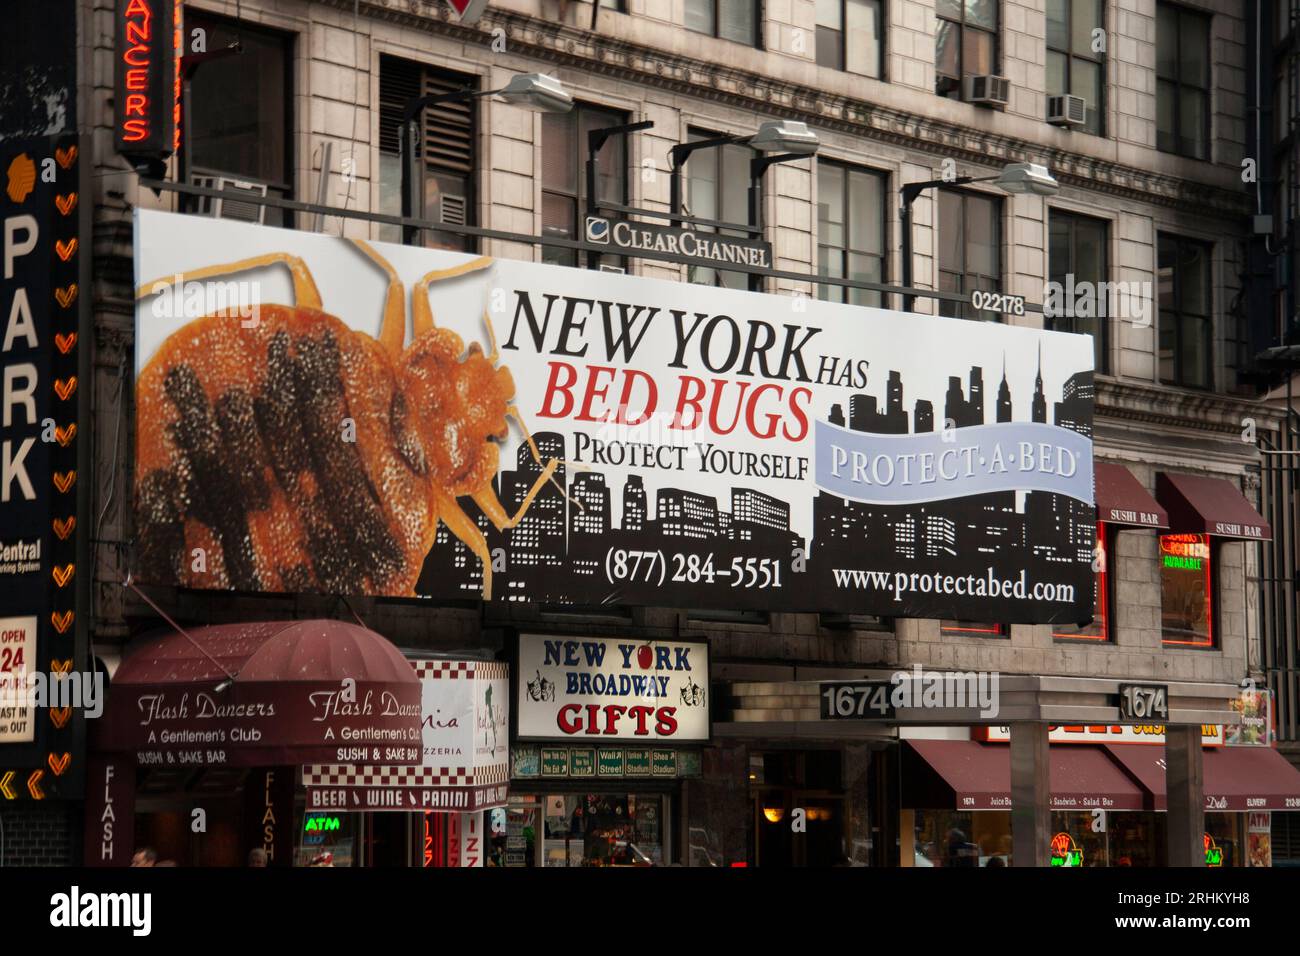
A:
{"points": [[322, 414]]}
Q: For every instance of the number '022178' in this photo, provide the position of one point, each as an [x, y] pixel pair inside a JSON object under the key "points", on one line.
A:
{"points": [[998, 302]]}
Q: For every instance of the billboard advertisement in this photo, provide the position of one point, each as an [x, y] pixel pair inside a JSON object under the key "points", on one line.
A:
{"points": [[315, 413]]}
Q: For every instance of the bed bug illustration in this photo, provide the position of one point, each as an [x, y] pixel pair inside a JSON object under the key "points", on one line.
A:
{"points": [[246, 477]]}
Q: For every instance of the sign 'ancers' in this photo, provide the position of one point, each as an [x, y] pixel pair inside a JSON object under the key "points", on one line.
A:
{"points": [[147, 80], [580, 437]]}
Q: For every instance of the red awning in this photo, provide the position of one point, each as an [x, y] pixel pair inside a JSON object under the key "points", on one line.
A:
{"points": [[1202, 505], [263, 694], [1236, 778], [1122, 501], [969, 775]]}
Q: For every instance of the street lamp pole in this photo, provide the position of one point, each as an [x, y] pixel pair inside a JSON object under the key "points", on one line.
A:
{"points": [[596, 140], [533, 90], [757, 167], [1015, 178], [909, 194]]}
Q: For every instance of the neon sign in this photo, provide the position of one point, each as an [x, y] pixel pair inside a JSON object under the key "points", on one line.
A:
{"points": [[1065, 852], [1213, 852], [321, 824], [147, 76]]}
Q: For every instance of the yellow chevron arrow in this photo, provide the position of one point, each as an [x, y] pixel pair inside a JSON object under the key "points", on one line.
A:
{"points": [[34, 785], [4, 785]]}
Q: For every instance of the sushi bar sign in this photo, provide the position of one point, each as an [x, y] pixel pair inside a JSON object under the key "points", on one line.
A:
{"points": [[616, 689]]}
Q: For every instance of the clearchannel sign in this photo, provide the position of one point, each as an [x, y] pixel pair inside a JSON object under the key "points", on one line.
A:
{"points": [[708, 247]]}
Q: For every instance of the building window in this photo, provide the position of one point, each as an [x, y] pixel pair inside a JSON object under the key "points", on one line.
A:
{"points": [[1182, 81], [736, 20], [851, 36], [1074, 64], [973, 629], [1099, 629], [564, 181], [1186, 325], [965, 44], [717, 187], [618, 6], [969, 234], [241, 109], [850, 230], [1077, 265], [1186, 587], [448, 134]]}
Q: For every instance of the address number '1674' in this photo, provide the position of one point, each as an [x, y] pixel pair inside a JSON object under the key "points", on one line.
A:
{"points": [[857, 700]]}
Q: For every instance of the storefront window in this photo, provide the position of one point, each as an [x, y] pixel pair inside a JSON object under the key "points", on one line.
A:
{"points": [[326, 839], [961, 838], [517, 847], [1186, 587], [1099, 629], [603, 829]]}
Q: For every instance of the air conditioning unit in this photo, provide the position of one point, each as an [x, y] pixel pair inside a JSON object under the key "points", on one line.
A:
{"points": [[1067, 110], [988, 90], [230, 207]]}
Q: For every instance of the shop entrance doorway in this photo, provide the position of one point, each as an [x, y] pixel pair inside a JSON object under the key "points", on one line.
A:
{"points": [[799, 808]]}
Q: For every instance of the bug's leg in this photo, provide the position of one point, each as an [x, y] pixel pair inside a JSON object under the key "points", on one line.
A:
{"points": [[487, 499], [512, 411], [464, 528], [421, 311], [305, 292], [392, 331]]}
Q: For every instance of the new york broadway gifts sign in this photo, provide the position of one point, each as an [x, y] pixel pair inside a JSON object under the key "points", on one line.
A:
{"points": [[322, 414]]}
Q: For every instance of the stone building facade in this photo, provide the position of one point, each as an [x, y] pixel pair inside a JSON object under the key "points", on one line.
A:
{"points": [[651, 60]]}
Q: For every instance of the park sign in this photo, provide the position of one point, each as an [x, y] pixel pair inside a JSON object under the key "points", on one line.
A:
{"points": [[580, 437]]}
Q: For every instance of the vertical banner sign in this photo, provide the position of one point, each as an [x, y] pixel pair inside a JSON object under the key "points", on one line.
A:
{"points": [[589, 438], [268, 813], [39, 308], [147, 77], [110, 811]]}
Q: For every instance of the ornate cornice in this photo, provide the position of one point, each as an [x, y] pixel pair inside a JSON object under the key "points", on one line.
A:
{"points": [[1204, 414], [704, 79]]}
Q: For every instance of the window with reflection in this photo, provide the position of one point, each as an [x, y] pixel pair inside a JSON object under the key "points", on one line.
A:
{"points": [[1186, 324], [564, 186], [1076, 56], [1186, 590], [736, 20], [241, 108], [1182, 81], [1099, 629], [851, 36], [851, 227], [965, 43], [1077, 264], [969, 238], [717, 187]]}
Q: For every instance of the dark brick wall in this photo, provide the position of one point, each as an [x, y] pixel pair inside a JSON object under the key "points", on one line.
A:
{"points": [[38, 835]]}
